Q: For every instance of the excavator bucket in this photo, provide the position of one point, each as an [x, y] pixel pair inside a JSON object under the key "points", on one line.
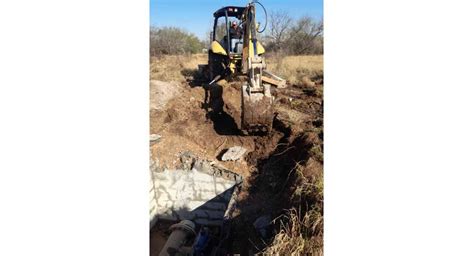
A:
{"points": [[257, 110]]}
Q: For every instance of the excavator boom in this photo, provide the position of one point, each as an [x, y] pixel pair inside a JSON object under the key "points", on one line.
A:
{"points": [[257, 101]]}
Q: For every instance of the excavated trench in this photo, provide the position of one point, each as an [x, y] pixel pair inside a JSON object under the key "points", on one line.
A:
{"points": [[271, 169]]}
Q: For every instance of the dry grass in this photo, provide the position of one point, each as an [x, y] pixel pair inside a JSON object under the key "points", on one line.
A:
{"points": [[299, 235], [317, 151], [301, 227], [175, 67], [304, 71]]}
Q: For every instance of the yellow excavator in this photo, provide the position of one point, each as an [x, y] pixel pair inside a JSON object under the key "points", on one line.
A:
{"points": [[241, 54]]}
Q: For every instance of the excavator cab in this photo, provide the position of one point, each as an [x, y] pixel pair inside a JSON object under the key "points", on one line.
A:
{"points": [[225, 56], [243, 56]]}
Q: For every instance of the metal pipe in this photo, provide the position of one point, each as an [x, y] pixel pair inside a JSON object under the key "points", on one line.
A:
{"points": [[215, 79], [181, 233]]}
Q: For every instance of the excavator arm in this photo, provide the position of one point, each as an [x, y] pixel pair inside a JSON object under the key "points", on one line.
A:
{"points": [[257, 101]]}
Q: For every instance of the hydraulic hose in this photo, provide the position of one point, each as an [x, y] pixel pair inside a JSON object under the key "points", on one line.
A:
{"points": [[265, 11]]}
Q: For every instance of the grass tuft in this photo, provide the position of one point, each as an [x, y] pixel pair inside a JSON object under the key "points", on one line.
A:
{"points": [[299, 234]]}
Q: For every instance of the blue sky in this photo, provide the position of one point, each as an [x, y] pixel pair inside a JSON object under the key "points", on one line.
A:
{"points": [[196, 15]]}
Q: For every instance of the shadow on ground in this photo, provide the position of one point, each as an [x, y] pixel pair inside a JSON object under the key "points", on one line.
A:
{"points": [[224, 124]]}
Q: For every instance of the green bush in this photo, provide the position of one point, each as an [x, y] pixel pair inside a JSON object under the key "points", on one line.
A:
{"points": [[172, 40]]}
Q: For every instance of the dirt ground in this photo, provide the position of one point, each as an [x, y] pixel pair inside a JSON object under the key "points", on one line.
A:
{"points": [[276, 165], [185, 126]]}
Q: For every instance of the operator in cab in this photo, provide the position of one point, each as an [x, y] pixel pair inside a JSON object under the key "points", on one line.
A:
{"points": [[235, 31]]}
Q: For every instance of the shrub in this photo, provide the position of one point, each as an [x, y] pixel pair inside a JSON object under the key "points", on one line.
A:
{"points": [[171, 40]]}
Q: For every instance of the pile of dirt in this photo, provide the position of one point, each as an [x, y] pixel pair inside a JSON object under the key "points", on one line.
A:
{"points": [[161, 92]]}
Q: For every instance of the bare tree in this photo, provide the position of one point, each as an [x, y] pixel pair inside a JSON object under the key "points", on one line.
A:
{"points": [[305, 35], [279, 25]]}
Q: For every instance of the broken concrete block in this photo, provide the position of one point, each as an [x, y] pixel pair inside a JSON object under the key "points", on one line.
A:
{"points": [[233, 153], [203, 166], [187, 160]]}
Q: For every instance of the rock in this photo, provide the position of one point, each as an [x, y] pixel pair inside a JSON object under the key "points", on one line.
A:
{"points": [[187, 160], [155, 137], [233, 153], [203, 166]]}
